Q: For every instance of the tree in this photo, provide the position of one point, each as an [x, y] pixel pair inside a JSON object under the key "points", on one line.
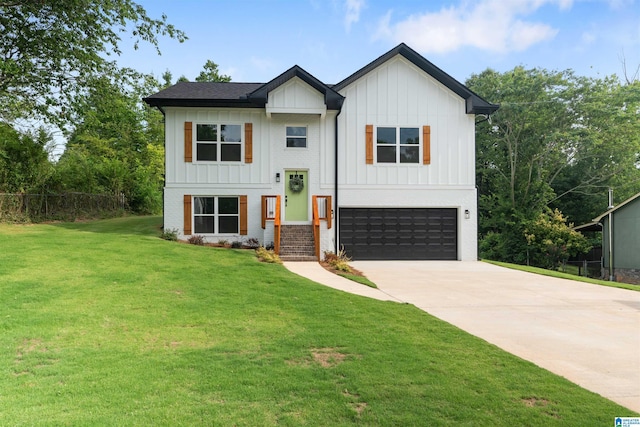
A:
{"points": [[210, 73], [52, 50], [552, 241], [119, 141], [24, 160], [556, 137]]}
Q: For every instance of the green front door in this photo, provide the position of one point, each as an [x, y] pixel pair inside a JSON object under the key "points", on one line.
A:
{"points": [[296, 192]]}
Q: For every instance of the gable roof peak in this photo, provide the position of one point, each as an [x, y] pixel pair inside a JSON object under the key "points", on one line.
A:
{"points": [[474, 103], [333, 99]]}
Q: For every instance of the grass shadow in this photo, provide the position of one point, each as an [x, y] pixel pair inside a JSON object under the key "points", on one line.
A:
{"points": [[128, 225]]}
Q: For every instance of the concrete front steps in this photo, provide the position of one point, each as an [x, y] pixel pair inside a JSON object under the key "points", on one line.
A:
{"points": [[296, 243]]}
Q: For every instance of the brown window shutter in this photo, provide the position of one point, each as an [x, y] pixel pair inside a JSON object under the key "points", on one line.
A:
{"points": [[243, 216], [426, 145], [248, 142], [187, 214], [188, 142], [369, 141]]}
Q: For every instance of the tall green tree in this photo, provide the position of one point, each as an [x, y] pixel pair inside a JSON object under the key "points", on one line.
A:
{"points": [[24, 161], [51, 50], [556, 136], [210, 73], [118, 141]]}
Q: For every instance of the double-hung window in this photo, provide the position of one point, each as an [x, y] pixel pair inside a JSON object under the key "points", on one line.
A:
{"points": [[296, 137], [218, 142], [398, 145], [216, 215]]}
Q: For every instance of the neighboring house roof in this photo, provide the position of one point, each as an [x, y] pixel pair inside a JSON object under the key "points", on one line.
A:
{"points": [[332, 99], [475, 104], [626, 202], [232, 94], [590, 226]]}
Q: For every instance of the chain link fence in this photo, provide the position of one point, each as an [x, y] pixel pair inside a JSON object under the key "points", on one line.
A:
{"points": [[61, 207]]}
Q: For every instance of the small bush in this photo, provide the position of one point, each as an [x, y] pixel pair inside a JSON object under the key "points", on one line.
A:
{"points": [[270, 247], [338, 261], [268, 256], [223, 242], [236, 244], [252, 243], [196, 239], [170, 234], [330, 257], [342, 266]]}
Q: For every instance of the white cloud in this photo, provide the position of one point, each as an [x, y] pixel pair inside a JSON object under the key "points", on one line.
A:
{"points": [[353, 8], [491, 25]]}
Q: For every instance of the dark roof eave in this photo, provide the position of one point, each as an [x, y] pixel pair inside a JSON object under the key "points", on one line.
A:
{"points": [[239, 103]]}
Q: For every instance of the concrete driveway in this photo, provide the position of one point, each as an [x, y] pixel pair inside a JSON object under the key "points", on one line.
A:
{"points": [[586, 333]]}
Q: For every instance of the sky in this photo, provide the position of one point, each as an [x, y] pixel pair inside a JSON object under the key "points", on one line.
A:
{"points": [[255, 41]]}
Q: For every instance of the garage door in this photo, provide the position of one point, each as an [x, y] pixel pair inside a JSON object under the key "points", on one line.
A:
{"points": [[399, 233]]}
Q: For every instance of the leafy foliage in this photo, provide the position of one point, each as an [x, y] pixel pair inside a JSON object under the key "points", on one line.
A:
{"points": [[553, 240], [51, 51], [558, 140], [24, 160], [210, 73]]}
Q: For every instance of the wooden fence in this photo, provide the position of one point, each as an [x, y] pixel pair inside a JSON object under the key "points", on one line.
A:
{"points": [[64, 207]]}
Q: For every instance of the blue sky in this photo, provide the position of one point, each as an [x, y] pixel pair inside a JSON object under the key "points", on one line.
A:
{"points": [[254, 41]]}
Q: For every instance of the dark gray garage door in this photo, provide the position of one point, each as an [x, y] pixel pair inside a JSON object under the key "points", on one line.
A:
{"points": [[399, 233]]}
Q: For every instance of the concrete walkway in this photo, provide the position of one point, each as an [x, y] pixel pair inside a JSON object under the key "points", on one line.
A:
{"points": [[586, 333]]}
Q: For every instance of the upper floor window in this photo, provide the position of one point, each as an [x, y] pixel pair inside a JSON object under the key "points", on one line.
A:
{"points": [[398, 145], [219, 142], [296, 137]]}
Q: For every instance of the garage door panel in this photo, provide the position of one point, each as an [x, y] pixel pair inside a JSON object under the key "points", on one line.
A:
{"points": [[399, 233]]}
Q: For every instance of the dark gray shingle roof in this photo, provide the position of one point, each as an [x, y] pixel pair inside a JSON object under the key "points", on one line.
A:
{"points": [[231, 94], [214, 94]]}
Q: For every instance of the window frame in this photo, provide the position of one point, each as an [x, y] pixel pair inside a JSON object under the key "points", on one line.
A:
{"points": [[216, 215], [287, 136], [219, 142], [398, 145]]}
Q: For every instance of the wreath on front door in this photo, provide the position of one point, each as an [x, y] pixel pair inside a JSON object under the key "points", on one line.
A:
{"points": [[296, 184]]}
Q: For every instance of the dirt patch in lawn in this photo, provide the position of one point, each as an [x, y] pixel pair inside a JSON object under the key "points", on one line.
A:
{"points": [[327, 357]]}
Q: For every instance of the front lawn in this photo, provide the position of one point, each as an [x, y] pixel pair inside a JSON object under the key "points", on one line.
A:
{"points": [[104, 323], [562, 275]]}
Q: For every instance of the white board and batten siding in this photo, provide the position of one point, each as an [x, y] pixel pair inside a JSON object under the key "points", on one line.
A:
{"points": [[295, 96], [399, 94], [269, 156]]}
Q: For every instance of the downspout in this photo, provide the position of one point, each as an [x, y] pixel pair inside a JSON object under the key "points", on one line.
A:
{"points": [[335, 189]]}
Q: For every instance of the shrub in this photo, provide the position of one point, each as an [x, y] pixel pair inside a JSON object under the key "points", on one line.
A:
{"points": [[252, 243], [339, 261], [236, 244], [170, 234], [268, 256], [341, 266], [196, 239], [223, 242]]}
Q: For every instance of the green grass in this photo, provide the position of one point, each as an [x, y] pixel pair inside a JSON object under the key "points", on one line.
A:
{"points": [[561, 275], [104, 323], [358, 279]]}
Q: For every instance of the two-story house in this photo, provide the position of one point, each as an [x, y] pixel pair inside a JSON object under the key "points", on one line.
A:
{"points": [[381, 164]]}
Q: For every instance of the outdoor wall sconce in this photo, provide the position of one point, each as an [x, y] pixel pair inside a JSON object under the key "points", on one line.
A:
{"points": [[277, 176], [467, 214]]}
